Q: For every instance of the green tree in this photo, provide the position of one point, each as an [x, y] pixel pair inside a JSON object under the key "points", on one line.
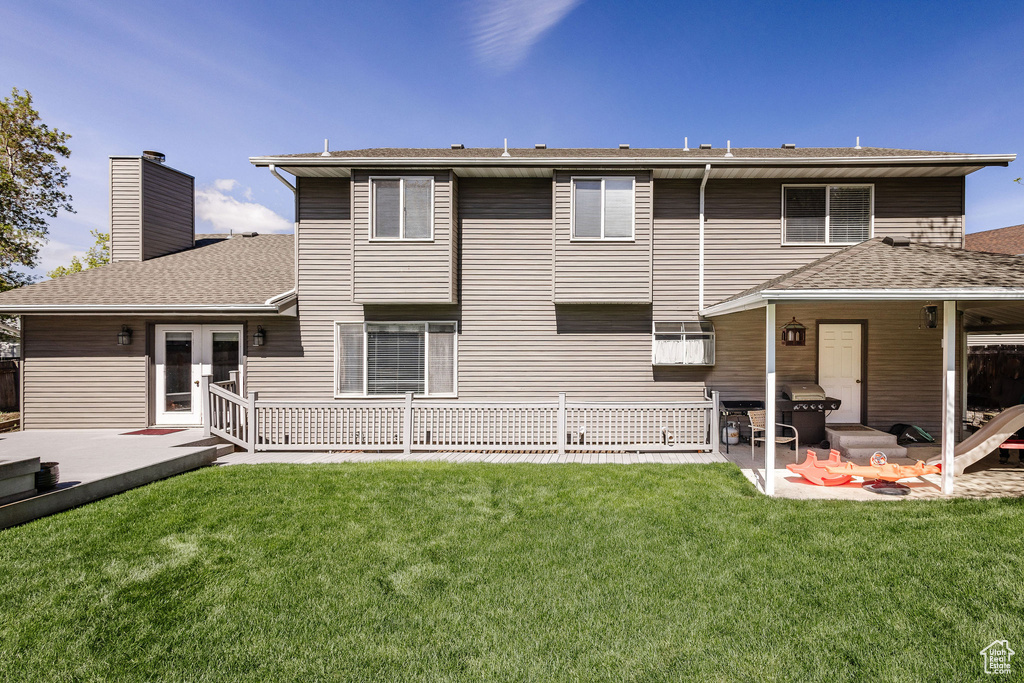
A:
{"points": [[98, 255], [32, 185]]}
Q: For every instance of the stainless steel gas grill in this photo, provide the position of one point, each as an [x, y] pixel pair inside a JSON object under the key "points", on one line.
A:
{"points": [[805, 405]]}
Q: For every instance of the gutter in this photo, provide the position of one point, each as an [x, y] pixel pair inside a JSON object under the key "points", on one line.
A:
{"points": [[632, 162], [700, 241], [760, 299]]}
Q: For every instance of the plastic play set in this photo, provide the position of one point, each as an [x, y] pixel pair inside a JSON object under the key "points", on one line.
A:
{"points": [[880, 476]]}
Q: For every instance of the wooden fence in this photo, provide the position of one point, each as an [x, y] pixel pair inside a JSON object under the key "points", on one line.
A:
{"points": [[10, 386], [427, 425]]}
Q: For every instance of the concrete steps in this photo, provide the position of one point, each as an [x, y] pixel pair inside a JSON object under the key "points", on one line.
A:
{"points": [[857, 442]]}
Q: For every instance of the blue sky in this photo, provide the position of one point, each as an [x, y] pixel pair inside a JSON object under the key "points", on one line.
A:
{"points": [[211, 84]]}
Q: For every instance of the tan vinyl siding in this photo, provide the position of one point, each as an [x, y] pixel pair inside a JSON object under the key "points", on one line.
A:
{"points": [[676, 227], [168, 210], [743, 228], [126, 209], [514, 342], [324, 199], [404, 271], [596, 271], [904, 363], [297, 363], [76, 376]]}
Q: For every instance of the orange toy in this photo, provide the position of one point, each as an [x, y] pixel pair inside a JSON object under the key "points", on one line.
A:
{"points": [[885, 471], [818, 472]]}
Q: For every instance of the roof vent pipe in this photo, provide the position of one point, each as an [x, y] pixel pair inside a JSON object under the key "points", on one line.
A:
{"points": [[858, 143], [505, 153], [158, 157], [686, 144], [325, 153], [728, 148]]}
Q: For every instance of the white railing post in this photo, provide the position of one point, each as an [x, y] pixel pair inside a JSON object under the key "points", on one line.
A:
{"points": [[207, 414], [233, 376], [716, 416], [250, 421], [561, 424], [407, 424]]}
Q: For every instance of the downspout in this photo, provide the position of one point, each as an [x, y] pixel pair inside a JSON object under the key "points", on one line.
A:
{"points": [[700, 242], [295, 229]]}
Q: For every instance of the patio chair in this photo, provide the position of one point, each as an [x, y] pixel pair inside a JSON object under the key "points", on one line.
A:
{"points": [[757, 418]]}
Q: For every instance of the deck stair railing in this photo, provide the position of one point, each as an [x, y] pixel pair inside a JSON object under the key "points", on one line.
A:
{"points": [[431, 425]]}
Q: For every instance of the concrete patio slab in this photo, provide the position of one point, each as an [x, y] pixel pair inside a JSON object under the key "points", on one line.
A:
{"points": [[96, 463]]}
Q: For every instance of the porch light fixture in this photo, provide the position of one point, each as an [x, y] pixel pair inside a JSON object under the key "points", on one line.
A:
{"points": [[124, 337], [929, 317], [260, 337], [794, 334]]}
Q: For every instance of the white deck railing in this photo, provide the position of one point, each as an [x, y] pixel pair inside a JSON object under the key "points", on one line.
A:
{"points": [[429, 425]]}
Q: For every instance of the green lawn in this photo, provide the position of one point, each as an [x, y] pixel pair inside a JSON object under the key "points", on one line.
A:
{"points": [[433, 572]]}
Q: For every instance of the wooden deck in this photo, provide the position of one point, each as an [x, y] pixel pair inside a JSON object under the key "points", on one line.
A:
{"points": [[496, 457]]}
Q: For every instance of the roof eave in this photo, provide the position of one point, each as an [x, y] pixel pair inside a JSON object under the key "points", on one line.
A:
{"points": [[137, 309], [369, 162], [771, 296]]}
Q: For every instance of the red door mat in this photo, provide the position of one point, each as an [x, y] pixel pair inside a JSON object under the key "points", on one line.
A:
{"points": [[152, 432]]}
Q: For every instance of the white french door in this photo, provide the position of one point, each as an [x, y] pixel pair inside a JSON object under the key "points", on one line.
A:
{"points": [[184, 353], [839, 368]]}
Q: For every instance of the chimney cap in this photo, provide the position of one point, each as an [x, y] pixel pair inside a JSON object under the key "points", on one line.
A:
{"points": [[153, 155]]}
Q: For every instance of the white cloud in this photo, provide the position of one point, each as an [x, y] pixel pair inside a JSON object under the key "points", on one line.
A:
{"points": [[226, 213], [54, 253], [505, 30]]}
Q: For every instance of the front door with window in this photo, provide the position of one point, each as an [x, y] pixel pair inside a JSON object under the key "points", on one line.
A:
{"points": [[839, 369], [184, 353]]}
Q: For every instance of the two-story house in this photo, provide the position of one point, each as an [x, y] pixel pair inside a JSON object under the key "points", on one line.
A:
{"points": [[469, 277]]}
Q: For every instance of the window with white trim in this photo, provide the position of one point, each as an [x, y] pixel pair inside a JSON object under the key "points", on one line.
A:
{"points": [[603, 208], [403, 208], [392, 358], [684, 343], [826, 214]]}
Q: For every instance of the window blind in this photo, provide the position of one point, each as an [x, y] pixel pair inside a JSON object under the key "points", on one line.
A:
{"points": [[441, 356], [387, 208], [849, 214], [350, 358], [394, 358], [587, 208], [618, 207], [417, 208], [805, 214]]}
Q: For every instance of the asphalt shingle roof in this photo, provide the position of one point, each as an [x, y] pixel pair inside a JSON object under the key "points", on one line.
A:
{"points": [[651, 152], [1000, 241], [880, 263], [216, 272]]}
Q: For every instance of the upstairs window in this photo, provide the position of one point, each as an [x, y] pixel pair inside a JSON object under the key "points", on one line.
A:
{"points": [[403, 208], [602, 208], [389, 359], [826, 214], [684, 343]]}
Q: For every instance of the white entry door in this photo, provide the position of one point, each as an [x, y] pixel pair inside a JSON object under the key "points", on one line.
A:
{"points": [[184, 353], [839, 368]]}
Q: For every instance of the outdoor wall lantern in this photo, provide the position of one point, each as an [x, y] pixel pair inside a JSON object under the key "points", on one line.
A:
{"points": [[794, 334], [124, 337], [260, 337], [929, 317]]}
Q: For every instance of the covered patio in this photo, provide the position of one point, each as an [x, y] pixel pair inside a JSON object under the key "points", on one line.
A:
{"points": [[910, 306]]}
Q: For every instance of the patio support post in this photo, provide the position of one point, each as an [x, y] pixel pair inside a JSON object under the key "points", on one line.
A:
{"points": [[561, 424], [250, 421], [769, 400], [407, 424], [948, 393], [716, 427], [207, 415]]}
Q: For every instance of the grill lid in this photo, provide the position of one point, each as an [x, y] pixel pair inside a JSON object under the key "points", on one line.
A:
{"points": [[803, 391]]}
